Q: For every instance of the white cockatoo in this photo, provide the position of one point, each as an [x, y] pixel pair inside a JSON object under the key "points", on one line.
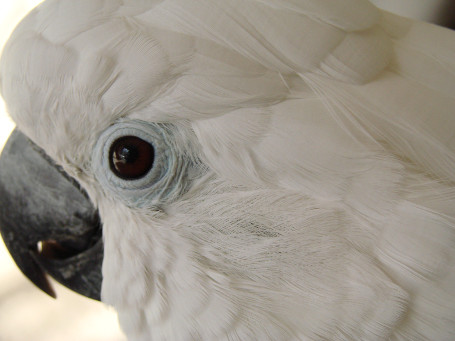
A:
{"points": [[262, 169]]}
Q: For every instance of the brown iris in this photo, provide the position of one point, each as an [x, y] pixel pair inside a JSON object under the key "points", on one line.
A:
{"points": [[131, 157]]}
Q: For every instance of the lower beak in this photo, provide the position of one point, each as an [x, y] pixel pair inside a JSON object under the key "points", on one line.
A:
{"points": [[47, 221]]}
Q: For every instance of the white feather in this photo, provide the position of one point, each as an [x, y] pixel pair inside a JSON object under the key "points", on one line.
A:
{"points": [[320, 134]]}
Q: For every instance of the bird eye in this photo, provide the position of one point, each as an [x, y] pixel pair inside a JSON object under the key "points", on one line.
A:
{"points": [[144, 164], [131, 158]]}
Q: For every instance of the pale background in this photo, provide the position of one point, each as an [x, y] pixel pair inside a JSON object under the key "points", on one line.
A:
{"points": [[26, 314]]}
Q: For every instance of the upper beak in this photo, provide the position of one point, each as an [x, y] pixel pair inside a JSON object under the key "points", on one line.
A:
{"points": [[47, 221]]}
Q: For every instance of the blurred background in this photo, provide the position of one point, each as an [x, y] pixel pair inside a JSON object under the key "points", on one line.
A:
{"points": [[26, 314], [441, 12]]}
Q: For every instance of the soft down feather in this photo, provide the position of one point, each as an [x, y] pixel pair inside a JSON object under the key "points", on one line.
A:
{"points": [[312, 195]]}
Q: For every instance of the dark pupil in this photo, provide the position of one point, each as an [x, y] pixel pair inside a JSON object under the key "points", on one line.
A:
{"points": [[131, 157], [128, 154]]}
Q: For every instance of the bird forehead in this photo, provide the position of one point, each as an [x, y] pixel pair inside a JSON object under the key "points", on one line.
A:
{"points": [[63, 92], [41, 97]]}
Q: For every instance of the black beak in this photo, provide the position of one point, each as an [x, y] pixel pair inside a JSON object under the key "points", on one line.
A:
{"points": [[47, 221]]}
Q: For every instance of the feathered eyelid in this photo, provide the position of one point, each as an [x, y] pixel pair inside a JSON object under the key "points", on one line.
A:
{"points": [[170, 176]]}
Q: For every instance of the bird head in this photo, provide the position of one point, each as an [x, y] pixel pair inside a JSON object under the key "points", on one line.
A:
{"points": [[139, 133], [157, 166]]}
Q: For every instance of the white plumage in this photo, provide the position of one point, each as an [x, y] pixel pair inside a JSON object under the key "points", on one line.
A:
{"points": [[308, 181]]}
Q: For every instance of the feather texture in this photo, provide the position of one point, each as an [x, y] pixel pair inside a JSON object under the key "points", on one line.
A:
{"points": [[320, 137]]}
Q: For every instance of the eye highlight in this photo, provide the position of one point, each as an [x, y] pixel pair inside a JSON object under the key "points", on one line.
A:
{"points": [[131, 158], [145, 164]]}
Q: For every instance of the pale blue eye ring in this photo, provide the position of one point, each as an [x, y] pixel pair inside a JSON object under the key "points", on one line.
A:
{"points": [[155, 185]]}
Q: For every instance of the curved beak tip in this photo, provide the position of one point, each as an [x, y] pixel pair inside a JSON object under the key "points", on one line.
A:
{"points": [[47, 222], [42, 282]]}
